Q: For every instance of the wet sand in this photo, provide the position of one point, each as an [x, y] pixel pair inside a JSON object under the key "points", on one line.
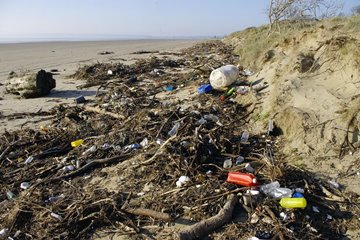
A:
{"points": [[66, 57]]}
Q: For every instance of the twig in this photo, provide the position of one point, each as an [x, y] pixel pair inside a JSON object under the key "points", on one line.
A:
{"points": [[159, 151], [201, 229], [92, 164]]}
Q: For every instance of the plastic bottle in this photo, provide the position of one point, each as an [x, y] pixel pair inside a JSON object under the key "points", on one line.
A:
{"points": [[293, 202], [242, 179], [274, 190], [10, 195], [227, 163], [244, 137], [77, 143], [223, 76], [239, 160], [174, 130]]}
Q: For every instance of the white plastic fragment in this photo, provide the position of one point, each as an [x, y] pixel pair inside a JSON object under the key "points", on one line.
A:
{"points": [[249, 168], [24, 185], [174, 130], [227, 164], [329, 217], [283, 216], [90, 150], [57, 216], [253, 192], [109, 72], [29, 160], [144, 143], [315, 209], [68, 168], [159, 141], [244, 137], [334, 184], [182, 181], [4, 232]]}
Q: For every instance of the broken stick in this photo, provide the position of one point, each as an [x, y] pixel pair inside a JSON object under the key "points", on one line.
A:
{"points": [[203, 228]]}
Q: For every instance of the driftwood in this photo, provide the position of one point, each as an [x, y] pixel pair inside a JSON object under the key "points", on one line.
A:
{"points": [[206, 226], [30, 85], [149, 213], [102, 111]]}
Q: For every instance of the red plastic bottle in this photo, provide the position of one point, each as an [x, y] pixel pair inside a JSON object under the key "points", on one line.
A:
{"points": [[242, 179]]}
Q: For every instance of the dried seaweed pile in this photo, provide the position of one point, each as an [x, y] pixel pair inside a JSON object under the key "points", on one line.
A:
{"points": [[123, 177]]}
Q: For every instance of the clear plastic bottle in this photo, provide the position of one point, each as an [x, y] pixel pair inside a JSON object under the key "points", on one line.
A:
{"points": [[274, 190], [174, 130], [244, 137]]}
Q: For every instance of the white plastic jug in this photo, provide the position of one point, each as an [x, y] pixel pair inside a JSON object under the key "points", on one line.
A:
{"points": [[223, 76]]}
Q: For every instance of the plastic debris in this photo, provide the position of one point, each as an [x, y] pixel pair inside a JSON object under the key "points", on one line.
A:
{"points": [[249, 168], [274, 190], [90, 150], [68, 168], [132, 146], [283, 216], [211, 117], [169, 88], [80, 99], [334, 184], [247, 72], [109, 72], [315, 209], [227, 164], [244, 137], [57, 216], [77, 143], [105, 146], [182, 181], [159, 141], [242, 179], [223, 76], [4, 232], [10, 195], [29, 160], [144, 143], [201, 121], [24, 185], [293, 202], [174, 130], [205, 89], [54, 199], [297, 195], [239, 160]]}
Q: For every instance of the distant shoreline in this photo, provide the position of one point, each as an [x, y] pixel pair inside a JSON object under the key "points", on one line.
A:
{"points": [[75, 40]]}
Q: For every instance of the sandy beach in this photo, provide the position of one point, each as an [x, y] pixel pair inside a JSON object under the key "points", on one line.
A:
{"points": [[66, 57]]}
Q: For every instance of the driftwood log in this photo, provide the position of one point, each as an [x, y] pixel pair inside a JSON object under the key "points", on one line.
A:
{"points": [[30, 85], [203, 228]]}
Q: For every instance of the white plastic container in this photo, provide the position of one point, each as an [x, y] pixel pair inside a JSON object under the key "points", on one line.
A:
{"points": [[223, 76]]}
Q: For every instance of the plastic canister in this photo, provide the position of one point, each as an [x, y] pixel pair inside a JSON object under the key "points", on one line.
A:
{"points": [[293, 202], [242, 179], [223, 76]]}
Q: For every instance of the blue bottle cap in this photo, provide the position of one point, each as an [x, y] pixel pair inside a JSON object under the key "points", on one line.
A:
{"points": [[297, 195], [169, 88], [205, 88]]}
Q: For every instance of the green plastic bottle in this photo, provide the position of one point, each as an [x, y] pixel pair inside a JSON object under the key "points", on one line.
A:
{"points": [[293, 202]]}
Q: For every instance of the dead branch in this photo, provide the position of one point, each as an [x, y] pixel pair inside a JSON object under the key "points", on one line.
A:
{"points": [[206, 226], [102, 111], [149, 213]]}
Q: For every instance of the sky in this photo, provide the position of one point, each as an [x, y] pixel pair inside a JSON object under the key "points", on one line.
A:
{"points": [[131, 18]]}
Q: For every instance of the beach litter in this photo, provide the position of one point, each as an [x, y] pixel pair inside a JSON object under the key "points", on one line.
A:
{"points": [[145, 163]]}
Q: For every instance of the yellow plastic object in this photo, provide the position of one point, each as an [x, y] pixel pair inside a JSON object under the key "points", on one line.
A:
{"points": [[77, 143], [44, 128], [293, 202]]}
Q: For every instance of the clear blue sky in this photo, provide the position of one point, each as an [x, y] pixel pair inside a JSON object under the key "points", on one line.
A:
{"points": [[132, 17]]}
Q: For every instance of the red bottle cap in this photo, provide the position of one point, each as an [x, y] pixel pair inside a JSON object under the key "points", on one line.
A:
{"points": [[242, 179], [222, 98]]}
